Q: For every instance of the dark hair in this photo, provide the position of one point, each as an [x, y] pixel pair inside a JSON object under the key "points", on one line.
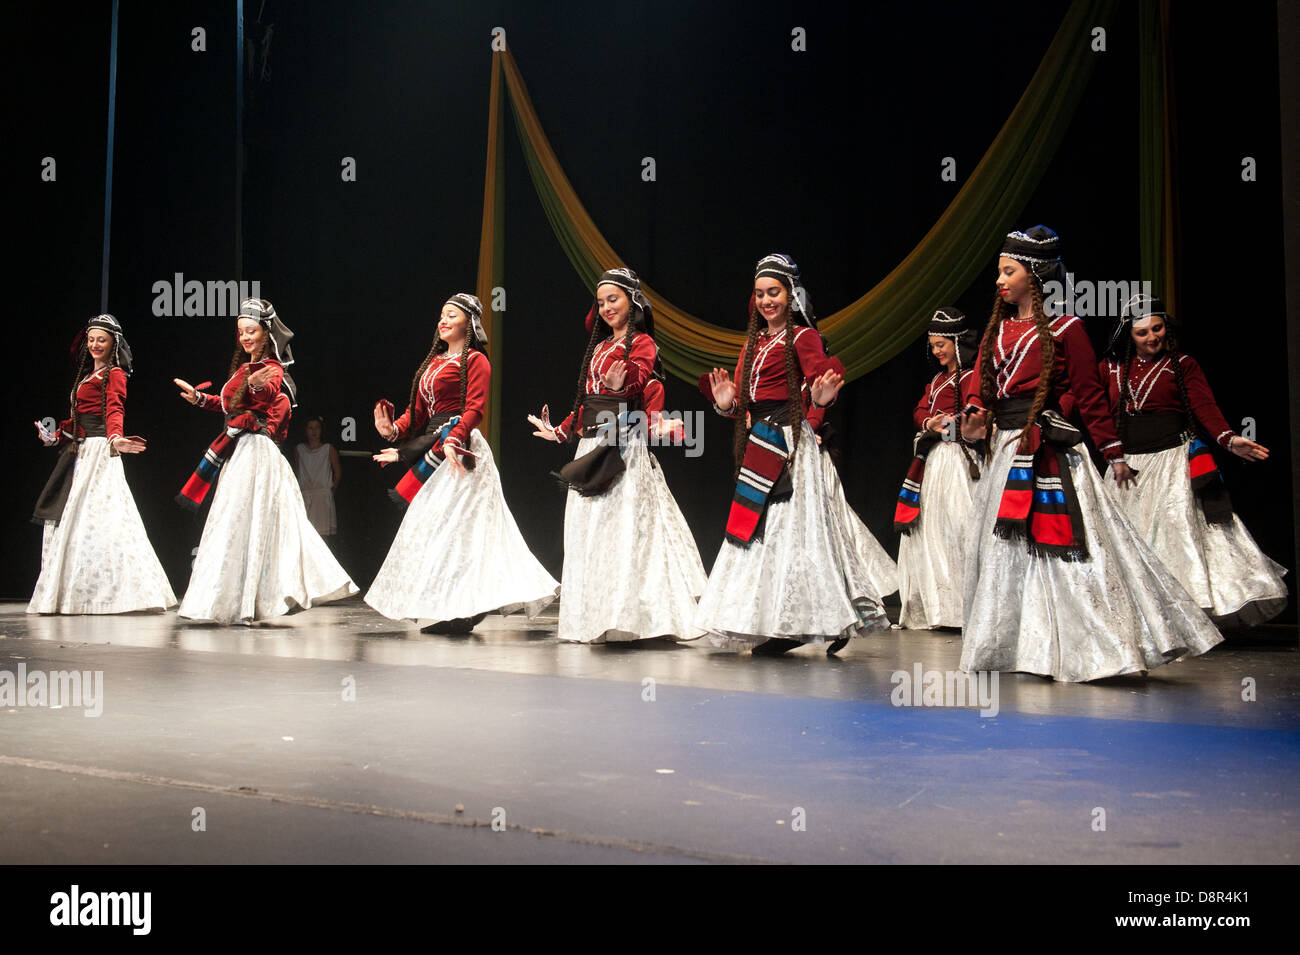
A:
{"points": [[793, 381], [85, 366], [1125, 366], [599, 332], [1046, 352], [241, 357], [439, 346]]}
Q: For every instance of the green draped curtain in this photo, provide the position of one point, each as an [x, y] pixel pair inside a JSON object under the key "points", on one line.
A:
{"points": [[884, 320]]}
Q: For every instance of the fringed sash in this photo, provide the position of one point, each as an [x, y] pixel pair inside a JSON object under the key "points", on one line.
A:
{"points": [[427, 452], [594, 472], [761, 470], [1038, 502], [1149, 433], [54, 496], [205, 475], [908, 508]]}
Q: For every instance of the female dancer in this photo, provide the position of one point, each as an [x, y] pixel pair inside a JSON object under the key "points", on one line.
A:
{"points": [[788, 572], [259, 555], [934, 506], [631, 567], [319, 471], [1057, 582], [95, 555], [1179, 506], [458, 555]]}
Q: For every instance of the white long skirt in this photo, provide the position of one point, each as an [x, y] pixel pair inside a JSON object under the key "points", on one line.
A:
{"points": [[881, 571], [932, 557], [259, 556], [98, 559], [1120, 611], [804, 578], [459, 552], [1220, 565], [631, 567]]}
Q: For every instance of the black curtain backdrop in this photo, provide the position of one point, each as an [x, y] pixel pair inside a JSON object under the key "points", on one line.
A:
{"points": [[832, 155]]}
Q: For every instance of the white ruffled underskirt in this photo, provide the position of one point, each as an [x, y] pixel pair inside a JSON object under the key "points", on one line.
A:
{"points": [[932, 557], [1118, 612], [631, 567], [1220, 565], [459, 553], [98, 559], [804, 579], [259, 556]]}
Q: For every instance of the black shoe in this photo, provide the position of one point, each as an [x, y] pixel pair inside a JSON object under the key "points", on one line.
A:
{"points": [[456, 625], [775, 646], [836, 646]]}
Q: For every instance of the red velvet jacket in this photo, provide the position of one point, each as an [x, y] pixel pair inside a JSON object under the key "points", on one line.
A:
{"points": [[639, 370], [1075, 383], [266, 401], [90, 400], [439, 393], [1153, 388], [939, 397]]}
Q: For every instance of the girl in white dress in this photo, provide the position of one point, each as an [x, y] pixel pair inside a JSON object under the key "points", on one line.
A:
{"points": [[631, 568], [259, 556], [458, 555], [319, 473], [95, 555]]}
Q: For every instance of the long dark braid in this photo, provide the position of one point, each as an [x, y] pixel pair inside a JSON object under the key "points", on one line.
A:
{"points": [[793, 385], [742, 386], [599, 332], [988, 383], [242, 357], [83, 359], [1171, 349], [438, 345], [1047, 354], [1125, 391], [592, 341]]}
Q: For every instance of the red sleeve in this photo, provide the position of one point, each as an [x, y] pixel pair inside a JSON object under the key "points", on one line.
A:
{"points": [[922, 409], [1087, 391], [1106, 370], [476, 394], [1203, 404], [970, 385], [816, 417], [207, 401], [116, 385], [652, 398], [277, 418], [811, 354], [641, 367], [565, 428]]}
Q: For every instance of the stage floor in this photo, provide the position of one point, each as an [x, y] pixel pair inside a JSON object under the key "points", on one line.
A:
{"points": [[658, 753]]}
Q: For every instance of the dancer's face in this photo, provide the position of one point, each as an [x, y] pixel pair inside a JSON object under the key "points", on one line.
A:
{"points": [[313, 432], [251, 335], [1013, 281], [452, 325], [771, 299], [99, 343], [613, 304], [943, 349], [1149, 336]]}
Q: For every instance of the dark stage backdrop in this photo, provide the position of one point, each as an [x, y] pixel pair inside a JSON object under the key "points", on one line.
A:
{"points": [[832, 154]]}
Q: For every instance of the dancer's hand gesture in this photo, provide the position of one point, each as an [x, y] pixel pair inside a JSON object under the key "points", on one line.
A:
{"points": [[1245, 448], [543, 426], [615, 377], [724, 390], [826, 387], [187, 390]]}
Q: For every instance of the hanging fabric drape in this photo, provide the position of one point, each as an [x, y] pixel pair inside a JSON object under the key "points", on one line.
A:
{"points": [[887, 318]]}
